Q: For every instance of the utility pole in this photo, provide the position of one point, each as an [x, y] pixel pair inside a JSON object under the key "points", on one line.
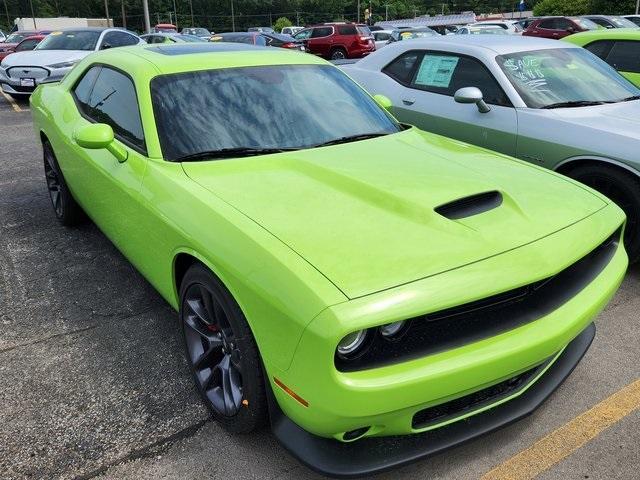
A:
{"points": [[191, 8], [33, 15], [124, 15], [6, 11], [233, 19], [175, 11], [145, 13], [637, 6], [297, 15], [106, 11], [386, 12], [358, 20]]}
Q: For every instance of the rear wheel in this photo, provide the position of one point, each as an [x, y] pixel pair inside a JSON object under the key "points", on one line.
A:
{"points": [[67, 211], [222, 352], [338, 54], [624, 189]]}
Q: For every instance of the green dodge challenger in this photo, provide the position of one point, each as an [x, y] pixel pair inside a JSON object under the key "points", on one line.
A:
{"points": [[375, 292]]}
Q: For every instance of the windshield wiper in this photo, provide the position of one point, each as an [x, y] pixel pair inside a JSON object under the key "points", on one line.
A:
{"points": [[350, 138], [628, 99], [575, 103], [231, 152]]}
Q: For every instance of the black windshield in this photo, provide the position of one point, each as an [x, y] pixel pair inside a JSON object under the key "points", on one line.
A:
{"points": [[261, 108]]}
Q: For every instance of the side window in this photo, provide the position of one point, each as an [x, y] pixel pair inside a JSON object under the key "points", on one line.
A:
{"points": [[347, 30], [260, 40], [446, 73], [113, 101], [550, 24], [321, 32], [564, 24], [625, 56], [27, 45], [402, 68], [381, 36], [117, 39], [303, 34], [83, 88], [600, 48], [601, 21]]}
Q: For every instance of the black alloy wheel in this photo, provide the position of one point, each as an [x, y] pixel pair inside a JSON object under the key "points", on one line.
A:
{"points": [[67, 211], [624, 190], [53, 182], [222, 352]]}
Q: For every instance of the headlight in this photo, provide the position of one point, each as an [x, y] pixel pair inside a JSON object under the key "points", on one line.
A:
{"points": [[351, 344], [391, 329], [62, 65]]}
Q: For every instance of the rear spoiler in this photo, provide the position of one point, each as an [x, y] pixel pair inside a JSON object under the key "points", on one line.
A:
{"points": [[345, 61]]}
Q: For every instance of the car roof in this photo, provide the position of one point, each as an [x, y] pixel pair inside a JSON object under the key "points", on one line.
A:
{"points": [[605, 34], [500, 44], [187, 57]]}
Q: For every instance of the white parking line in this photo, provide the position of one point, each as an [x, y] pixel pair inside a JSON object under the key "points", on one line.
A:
{"points": [[13, 103]]}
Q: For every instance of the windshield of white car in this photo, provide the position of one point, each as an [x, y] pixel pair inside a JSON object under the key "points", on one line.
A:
{"points": [[252, 110], [563, 78], [70, 40]]}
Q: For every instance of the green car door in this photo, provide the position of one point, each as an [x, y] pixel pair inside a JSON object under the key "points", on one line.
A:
{"points": [[621, 54], [428, 81], [109, 181]]}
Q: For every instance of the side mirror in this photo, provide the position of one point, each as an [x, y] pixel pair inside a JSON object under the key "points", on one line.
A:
{"points": [[105, 46], [96, 136], [471, 95], [383, 101], [571, 30]]}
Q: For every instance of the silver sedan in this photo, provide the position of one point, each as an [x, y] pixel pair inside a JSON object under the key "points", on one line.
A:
{"points": [[553, 105]]}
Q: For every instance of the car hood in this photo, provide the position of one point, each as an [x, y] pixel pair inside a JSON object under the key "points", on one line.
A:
{"points": [[42, 58], [621, 118], [363, 213]]}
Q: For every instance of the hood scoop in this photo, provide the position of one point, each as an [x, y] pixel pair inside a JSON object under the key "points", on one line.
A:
{"points": [[471, 205]]}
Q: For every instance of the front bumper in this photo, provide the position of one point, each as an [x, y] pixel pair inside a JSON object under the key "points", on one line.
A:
{"points": [[375, 454], [389, 398], [12, 78]]}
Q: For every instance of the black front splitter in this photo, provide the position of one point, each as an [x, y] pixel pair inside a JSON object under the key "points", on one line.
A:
{"points": [[376, 454]]}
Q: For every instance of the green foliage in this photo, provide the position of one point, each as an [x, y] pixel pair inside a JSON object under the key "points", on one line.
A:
{"points": [[561, 7], [281, 23], [612, 7]]}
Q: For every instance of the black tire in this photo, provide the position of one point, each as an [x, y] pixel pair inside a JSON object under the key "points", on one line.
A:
{"points": [[338, 53], [624, 189], [221, 352], [67, 211]]}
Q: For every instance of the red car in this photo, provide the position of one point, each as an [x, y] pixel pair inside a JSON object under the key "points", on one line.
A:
{"points": [[29, 43], [15, 38], [259, 38], [558, 27], [337, 41], [165, 28]]}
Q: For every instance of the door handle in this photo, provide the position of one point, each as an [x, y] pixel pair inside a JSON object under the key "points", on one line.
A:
{"points": [[408, 101]]}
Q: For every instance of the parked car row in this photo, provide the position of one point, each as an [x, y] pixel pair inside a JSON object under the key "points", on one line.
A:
{"points": [[375, 291]]}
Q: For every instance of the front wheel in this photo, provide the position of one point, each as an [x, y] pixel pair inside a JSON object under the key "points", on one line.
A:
{"points": [[624, 189], [67, 211], [222, 352]]}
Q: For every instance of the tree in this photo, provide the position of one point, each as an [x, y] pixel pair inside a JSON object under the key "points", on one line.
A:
{"points": [[561, 7], [281, 23], [612, 7]]}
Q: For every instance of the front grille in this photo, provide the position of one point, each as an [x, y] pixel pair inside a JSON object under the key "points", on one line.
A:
{"points": [[476, 400], [470, 322], [17, 72]]}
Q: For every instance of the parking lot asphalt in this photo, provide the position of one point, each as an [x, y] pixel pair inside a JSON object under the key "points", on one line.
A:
{"points": [[93, 381]]}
